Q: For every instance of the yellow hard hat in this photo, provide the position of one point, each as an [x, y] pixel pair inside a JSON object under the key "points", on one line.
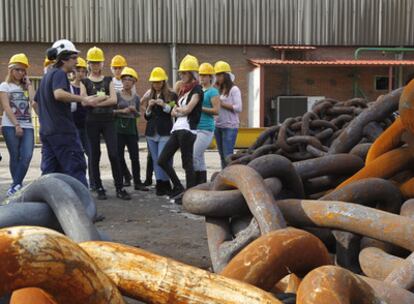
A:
{"points": [[118, 61], [19, 58], [222, 67], [206, 69], [158, 74], [81, 63], [189, 64], [129, 72], [47, 62], [95, 54]]}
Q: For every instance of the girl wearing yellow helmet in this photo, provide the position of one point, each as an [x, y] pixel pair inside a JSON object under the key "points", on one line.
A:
{"points": [[183, 134], [16, 95], [127, 112], [79, 113], [205, 128], [158, 102], [100, 120], [227, 123]]}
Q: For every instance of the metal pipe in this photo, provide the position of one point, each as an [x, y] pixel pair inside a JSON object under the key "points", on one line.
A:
{"points": [[174, 69]]}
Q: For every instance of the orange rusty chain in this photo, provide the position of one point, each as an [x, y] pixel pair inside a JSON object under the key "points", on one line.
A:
{"points": [[39, 257], [335, 285], [92, 272], [260, 201], [88, 272], [268, 259], [217, 205]]}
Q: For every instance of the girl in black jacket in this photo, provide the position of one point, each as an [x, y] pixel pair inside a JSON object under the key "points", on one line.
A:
{"points": [[159, 101]]}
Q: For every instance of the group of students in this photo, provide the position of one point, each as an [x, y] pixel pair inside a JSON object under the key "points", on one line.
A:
{"points": [[74, 115]]}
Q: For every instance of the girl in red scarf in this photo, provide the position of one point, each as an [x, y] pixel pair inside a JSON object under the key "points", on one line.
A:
{"points": [[183, 134]]}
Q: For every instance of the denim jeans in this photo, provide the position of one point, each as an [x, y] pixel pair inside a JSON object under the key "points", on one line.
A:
{"points": [[201, 144], [225, 138], [20, 151], [155, 146]]}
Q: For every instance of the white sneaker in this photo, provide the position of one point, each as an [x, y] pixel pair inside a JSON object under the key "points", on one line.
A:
{"points": [[10, 192]]}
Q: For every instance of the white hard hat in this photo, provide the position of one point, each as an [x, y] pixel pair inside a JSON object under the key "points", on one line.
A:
{"points": [[64, 45]]}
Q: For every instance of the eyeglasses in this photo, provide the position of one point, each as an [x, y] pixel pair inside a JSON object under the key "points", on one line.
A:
{"points": [[74, 57]]}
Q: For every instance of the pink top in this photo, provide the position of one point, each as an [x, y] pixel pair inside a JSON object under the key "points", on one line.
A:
{"points": [[230, 118]]}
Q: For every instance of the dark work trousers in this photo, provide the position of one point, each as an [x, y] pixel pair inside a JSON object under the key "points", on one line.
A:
{"points": [[62, 153], [94, 129], [87, 150], [183, 140], [131, 142], [149, 168]]}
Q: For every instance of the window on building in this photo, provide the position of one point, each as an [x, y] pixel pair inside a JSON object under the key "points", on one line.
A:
{"points": [[381, 83]]}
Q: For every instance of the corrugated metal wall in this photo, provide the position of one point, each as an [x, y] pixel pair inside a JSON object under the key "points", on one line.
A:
{"points": [[316, 22]]}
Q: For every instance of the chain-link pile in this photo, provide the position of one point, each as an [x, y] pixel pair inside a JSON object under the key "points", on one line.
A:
{"points": [[317, 132]]}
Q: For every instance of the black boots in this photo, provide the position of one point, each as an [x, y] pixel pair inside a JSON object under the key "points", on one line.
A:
{"points": [[162, 188], [201, 177]]}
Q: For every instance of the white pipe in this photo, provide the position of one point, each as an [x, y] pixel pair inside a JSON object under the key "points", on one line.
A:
{"points": [[174, 68]]}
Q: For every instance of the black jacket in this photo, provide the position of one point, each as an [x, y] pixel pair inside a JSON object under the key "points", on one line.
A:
{"points": [[158, 121], [194, 116]]}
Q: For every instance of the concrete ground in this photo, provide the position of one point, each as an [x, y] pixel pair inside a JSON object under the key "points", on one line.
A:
{"points": [[147, 221]]}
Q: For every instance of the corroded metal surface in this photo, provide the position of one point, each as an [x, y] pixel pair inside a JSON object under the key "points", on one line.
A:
{"points": [[335, 285], [406, 107], [361, 150], [407, 209], [66, 205], [31, 295], [282, 168], [340, 164], [389, 140], [222, 245], [386, 196], [403, 275], [384, 166], [201, 200], [389, 293], [155, 279], [377, 264], [380, 110], [354, 218], [39, 257], [257, 195], [272, 256]]}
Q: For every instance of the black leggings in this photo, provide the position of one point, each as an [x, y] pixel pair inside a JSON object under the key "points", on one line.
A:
{"points": [[94, 129], [131, 142], [183, 140]]}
